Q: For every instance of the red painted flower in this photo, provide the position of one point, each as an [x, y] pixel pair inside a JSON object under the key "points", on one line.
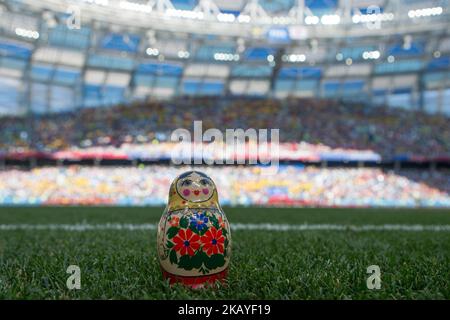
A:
{"points": [[186, 242], [174, 221], [221, 222], [213, 241]]}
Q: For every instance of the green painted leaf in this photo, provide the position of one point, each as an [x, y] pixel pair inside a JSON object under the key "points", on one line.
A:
{"points": [[215, 261], [173, 257], [198, 259], [199, 232], [169, 244], [185, 262], [184, 222], [204, 270], [172, 232], [193, 229], [214, 222]]}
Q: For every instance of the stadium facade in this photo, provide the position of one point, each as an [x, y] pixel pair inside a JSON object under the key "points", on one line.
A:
{"points": [[56, 56]]}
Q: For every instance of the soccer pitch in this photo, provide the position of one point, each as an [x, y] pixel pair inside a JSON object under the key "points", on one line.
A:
{"points": [[277, 254]]}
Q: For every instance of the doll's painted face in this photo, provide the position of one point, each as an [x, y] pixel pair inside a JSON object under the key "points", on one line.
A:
{"points": [[195, 186]]}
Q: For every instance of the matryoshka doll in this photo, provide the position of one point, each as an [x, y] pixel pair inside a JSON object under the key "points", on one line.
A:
{"points": [[194, 243]]}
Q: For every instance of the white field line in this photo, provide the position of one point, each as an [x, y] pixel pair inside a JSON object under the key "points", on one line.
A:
{"points": [[234, 227]]}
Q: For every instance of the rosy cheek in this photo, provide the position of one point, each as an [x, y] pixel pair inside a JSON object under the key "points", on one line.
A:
{"points": [[186, 192], [205, 191]]}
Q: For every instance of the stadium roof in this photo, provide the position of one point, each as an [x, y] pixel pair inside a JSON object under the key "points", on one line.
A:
{"points": [[59, 55]]}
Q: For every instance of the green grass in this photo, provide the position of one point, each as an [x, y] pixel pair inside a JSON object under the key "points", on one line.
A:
{"points": [[265, 265]]}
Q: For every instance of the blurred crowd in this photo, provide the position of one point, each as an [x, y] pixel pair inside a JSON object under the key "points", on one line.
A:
{"points": [[237, 185], [323, 123]]}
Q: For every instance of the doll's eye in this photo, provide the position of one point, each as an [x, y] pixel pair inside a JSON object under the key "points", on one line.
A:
{"points": [[205, 182], [186, 182]]}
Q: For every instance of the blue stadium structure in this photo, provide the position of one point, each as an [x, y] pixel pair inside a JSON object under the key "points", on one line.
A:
{"points": [[57, 56]]}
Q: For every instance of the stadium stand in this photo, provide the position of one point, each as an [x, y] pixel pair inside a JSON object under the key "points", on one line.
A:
{"points": [[96, 82], [291, 186], [321, 129]]}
